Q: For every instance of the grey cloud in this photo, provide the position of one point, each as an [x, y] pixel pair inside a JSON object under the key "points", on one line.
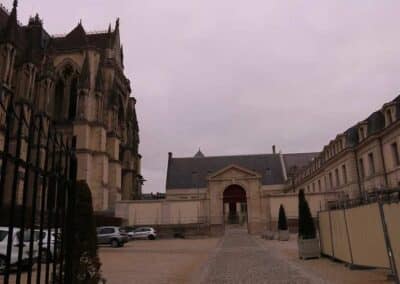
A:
{"points": [[238, 76]]}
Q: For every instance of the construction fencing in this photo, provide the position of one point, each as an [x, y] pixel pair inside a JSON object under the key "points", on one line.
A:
{"points": [[364, 234]]}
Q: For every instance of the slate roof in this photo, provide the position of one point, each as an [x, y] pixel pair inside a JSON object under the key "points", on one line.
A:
{"points": [[192, 172], [298, 160]]}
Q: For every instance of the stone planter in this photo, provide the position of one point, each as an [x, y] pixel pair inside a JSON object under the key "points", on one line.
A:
{"points": [[308, 248], [284, 235], [268, 235]]}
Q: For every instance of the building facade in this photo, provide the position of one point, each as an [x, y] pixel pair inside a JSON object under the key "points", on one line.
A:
{"points": [[248, 189], [363, 159], [77, 81]]}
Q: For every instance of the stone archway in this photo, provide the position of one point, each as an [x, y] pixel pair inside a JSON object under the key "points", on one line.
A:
{"points": [[235, 205]]}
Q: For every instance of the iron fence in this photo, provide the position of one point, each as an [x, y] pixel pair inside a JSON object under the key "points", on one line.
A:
{"points": [[386, 195], [37, 198]]}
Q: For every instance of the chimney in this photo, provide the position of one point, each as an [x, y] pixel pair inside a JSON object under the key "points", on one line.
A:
{"points": [[273, 149]]}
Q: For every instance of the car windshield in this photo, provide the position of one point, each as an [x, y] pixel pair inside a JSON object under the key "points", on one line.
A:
{"points": [[3, 235]]}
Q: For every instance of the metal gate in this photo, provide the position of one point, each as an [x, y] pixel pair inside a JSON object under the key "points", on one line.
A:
{"points": [[38, 172]]}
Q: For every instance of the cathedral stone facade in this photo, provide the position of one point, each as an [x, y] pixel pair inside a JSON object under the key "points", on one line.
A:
{"points": [[77, 80]]}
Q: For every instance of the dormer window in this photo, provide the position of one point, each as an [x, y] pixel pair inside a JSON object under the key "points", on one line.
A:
{"points": [[388, 116], [361, 133]]}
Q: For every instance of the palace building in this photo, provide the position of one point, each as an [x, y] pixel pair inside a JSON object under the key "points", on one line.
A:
{"points": [[77, 81], [248, 189]]}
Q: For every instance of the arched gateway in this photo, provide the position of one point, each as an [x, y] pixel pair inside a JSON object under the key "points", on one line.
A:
{"points": [[235, 205]]}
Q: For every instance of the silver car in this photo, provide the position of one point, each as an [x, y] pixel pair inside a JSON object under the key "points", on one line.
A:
{"points": [[143, 233], [111, 235]]}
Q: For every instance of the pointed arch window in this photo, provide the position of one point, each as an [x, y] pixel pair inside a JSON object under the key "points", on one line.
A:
{"points": [[73, 99], [58, 100]]}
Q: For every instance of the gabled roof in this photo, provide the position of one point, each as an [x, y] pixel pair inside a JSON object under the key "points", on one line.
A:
{"points": [[193, 172], [233, 168], [74, 39]]}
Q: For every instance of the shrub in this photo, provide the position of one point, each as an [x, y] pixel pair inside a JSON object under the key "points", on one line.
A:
{"points": [[282, 221], [306, 222], [87, 268]]}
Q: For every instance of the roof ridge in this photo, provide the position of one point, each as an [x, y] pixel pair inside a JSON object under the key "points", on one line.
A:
{"points": [[96, 32], [299, 153], [224, 156]]}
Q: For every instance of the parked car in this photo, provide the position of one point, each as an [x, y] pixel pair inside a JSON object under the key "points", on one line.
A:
{"points": [[16, 239], [111, 235], [143, 233], [53, 239]]}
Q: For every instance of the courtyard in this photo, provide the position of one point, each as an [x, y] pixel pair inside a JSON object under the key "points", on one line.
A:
{"points": [[237, 257]]}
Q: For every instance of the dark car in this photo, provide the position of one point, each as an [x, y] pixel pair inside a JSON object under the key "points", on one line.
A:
{"points": [[111, 235]]}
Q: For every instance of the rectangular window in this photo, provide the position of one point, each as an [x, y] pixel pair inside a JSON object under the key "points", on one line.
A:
{"points": [[337, 177], [330, 181], [371, 164], [389, 116], [361, 167], [308, 188], [361, 133], [395, 154], [344, 171], [313, 187], [319, 185]]}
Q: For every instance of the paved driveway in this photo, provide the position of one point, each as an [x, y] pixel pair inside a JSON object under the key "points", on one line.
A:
{"points": [[239, 258], [160, 261]]}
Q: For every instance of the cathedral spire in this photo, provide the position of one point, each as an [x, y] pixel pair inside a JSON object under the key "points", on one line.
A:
{"points": [[117, 25], [99, 80], [199, 154], [84, 79], [11, 26]]}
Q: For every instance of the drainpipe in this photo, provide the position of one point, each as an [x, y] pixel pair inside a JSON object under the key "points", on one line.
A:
{"points": [[383, 162]]}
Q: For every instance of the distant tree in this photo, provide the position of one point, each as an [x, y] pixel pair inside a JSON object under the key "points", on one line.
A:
{"points": [[306, 222], [282, 221]]}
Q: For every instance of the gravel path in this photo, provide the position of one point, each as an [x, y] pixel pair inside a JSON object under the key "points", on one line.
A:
{"points": [[240, 259]]}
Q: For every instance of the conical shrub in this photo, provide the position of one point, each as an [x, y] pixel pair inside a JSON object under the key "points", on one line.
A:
{"points": [[282, 221], [306, 222]]}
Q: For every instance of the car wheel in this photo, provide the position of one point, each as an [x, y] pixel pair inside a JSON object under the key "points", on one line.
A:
{"points": [[2, 263], [114, 243], [151, 237]]}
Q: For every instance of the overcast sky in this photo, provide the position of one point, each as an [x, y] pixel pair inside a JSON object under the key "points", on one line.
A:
{"points": [[235, 77]]}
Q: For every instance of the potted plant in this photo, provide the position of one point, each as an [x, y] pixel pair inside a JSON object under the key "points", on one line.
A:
{"points": [[308, 243], [283, 230]]}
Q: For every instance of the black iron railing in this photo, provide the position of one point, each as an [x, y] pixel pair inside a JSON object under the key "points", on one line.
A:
{"points": [[37, 198], [384, 195]]}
